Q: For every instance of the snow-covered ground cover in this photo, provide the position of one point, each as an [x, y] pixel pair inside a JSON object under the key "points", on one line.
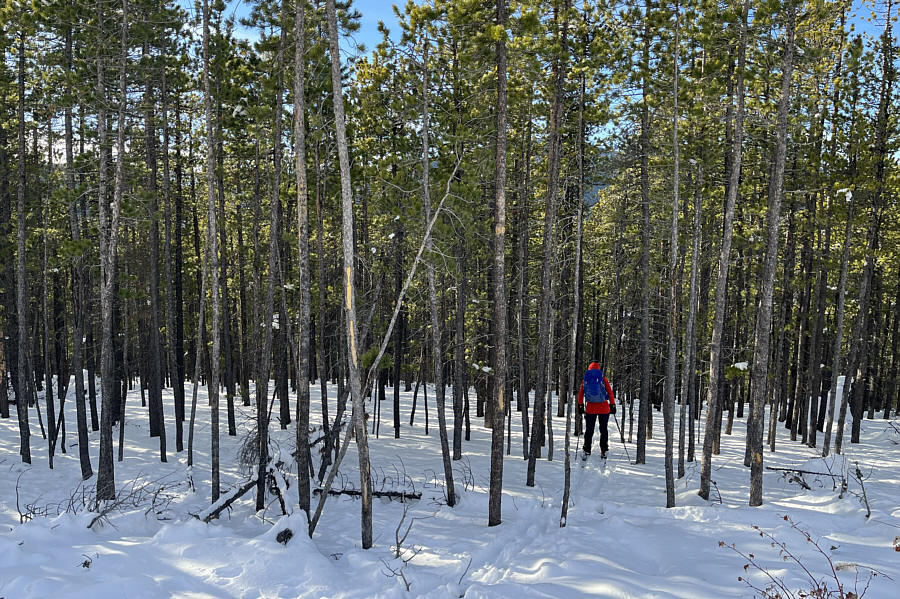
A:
{"points": [[620, 540]]}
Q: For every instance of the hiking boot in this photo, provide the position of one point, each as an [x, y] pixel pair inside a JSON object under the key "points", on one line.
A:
{"points": [[603, 455]]}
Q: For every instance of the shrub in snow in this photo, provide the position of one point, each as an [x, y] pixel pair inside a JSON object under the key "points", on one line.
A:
{"points": [[829, 586]]}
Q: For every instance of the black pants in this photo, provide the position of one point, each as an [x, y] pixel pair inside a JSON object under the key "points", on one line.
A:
{"points": [[590, 419]]}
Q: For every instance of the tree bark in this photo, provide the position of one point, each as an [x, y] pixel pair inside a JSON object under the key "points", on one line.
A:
{"points": [[436, 346], [171, 326], [763, 333], [154, 367], [78, 286], [549, 243], [576, 311], [109, 237], [669, 399], [22, 399], [500, 366], [838, 331], [349, 287], [644, 408], [522, 282], [302, 414], [213, 250], [713, 400], [460, 370]]}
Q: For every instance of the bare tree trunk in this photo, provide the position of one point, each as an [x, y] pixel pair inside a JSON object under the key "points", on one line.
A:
{"points": [[331, 436], [349, 289], [171, 327], [178, 332], [78, 285], [459, 381], [816, 344], [644, 408], [838, 331], [302, 414], [500, 366], [763, 333], [690, 332], [45, 310], [21, 289], [715, 347], [549, 243], [573, 335], [891, 392], [9, 336], [109, 232], [154, 367], [436, 346], [783, 343], [211, 145], [522, 282], [669, 399]]}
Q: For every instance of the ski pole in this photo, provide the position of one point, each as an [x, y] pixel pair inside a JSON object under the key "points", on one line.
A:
{"points": [[620, 437]]}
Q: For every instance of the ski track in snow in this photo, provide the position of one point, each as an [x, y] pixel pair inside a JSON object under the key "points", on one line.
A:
{"points": [[620, 541]]}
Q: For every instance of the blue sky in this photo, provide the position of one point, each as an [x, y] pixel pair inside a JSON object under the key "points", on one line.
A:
{"points": [[373, 11]]}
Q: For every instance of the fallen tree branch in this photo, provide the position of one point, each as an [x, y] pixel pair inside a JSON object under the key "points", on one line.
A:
{"points": [[225, 502], [389, 494], [799, 471], [859, 477]]}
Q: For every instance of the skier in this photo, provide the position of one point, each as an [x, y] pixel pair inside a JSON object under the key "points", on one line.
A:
{"points": [[596, 401]]}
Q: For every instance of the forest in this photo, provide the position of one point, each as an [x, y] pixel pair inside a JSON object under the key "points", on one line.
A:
{"points": [[240, 227]]}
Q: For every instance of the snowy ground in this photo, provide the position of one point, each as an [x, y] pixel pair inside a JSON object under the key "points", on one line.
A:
{"points": [[620, 541]]}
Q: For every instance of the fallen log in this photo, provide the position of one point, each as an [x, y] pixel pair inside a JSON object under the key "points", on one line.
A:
{"points": [[389, 494], [799, 471], [225, 502]]}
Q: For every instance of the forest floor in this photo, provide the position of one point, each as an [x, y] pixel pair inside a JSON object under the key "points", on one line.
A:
{"points": [[620, 540]]}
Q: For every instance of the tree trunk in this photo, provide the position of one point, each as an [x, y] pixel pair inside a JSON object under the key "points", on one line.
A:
{"points": [[349, 288], [109, 237], [331, 436], [213, 250], [573, 334], [154, 367], [669, 399], [499, 413], [78, 287], [782, 345], [21, 289], [690, 332], [302, 414], [644, 409], [45, 309], [759, 373], [171, 326], [522, 282], [179, 270], [460, 369], [838, 331], [436, 346], [713, 400], [549, 243], [891, 391]]}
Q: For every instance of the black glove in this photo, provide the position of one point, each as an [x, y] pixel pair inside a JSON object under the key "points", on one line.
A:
{"points": [[580, 409], [612, 408]]}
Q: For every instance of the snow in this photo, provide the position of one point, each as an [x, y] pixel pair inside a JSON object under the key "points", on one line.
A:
{"points": [[620, 541], [741, 365]]}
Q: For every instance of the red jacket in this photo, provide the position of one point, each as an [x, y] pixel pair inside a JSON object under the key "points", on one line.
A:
{"points": [[596, 408]]}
